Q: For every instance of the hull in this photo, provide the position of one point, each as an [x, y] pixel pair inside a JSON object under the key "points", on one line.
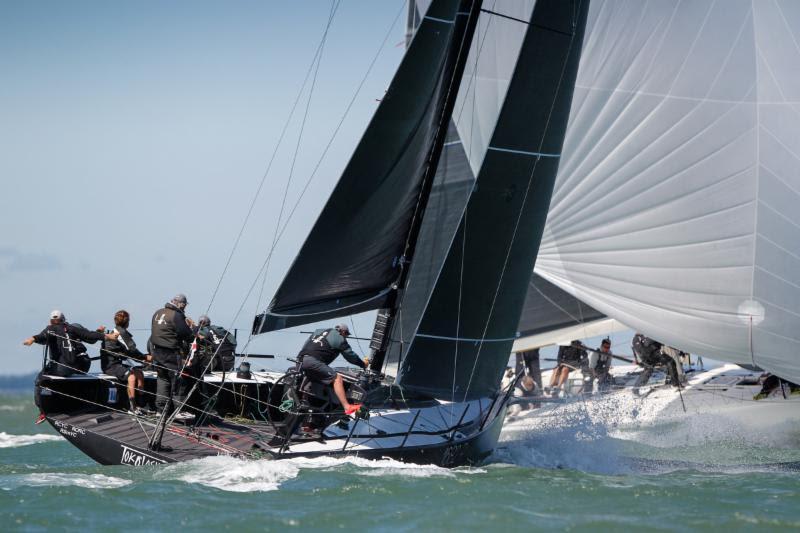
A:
{"points": [[439, 433], [725, 392]]}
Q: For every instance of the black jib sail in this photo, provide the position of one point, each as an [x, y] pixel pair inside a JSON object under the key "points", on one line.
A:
{"points": [[465, 335], [353, 256], [548, 308]]}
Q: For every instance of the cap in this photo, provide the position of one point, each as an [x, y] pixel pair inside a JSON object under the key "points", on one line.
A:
{"points": [[180, 299], [343, 329], [204, 320], [55, 314]]}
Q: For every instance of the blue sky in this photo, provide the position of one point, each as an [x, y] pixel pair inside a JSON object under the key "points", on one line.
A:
{"points": [[133, 137]]}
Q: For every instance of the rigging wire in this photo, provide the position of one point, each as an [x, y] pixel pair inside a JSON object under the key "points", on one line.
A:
{"points": [[317, 53], [334, 8], [339, 125], [334, 5]]}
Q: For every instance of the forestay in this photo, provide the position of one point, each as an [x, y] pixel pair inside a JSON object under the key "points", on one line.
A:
{"points": [[675, 209]]}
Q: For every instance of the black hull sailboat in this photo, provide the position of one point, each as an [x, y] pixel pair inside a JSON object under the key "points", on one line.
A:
{"points": [[437, 232], [426, 432]]}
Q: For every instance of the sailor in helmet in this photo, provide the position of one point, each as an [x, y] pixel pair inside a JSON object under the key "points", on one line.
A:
{"points": [[320, 350]]}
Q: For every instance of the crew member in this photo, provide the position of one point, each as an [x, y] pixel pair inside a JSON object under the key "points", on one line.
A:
{"points": [[649, 354], [671, 357], [171, 332], [569, 358], [320, 350], [65, 344], [112, 360], [217, 342], [598, 366], [528, 363]]}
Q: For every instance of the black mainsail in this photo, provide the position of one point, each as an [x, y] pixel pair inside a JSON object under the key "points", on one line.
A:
{"points": [[470, 321], [354, 255]]}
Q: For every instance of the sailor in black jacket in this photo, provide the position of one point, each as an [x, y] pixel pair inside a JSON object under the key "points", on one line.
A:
{"points": [[171, 332], [320, 350], [65, 343], [113, 356]]}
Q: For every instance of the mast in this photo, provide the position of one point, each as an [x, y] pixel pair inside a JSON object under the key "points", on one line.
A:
{"points": [[386, 316]]}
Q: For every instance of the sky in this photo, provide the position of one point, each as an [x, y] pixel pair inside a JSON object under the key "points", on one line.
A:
{"points": [[133, 138]]}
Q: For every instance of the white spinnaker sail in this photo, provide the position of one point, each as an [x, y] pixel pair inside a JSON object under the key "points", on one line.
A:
{"points": [[677, 206]]}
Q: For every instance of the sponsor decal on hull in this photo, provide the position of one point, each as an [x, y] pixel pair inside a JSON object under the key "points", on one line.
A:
{"points": [[68, 430], [136, 458]]}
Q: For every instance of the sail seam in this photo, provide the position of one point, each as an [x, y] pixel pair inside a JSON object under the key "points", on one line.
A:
{"points": [[440, 20], [462, 339], [384, 292], [523, 152], [509, 17], [551, 29], [758, 180]]}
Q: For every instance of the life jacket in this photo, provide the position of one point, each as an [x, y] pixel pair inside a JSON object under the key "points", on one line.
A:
{"points": [[67, 350], [223, 344], [163, 332], [116, 351], [317, 346], [646, 349]]}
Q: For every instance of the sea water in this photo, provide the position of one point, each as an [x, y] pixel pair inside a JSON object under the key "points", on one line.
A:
{"points": [[580, 475]]}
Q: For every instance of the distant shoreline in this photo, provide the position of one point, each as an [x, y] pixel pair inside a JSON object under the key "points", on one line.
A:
{"points": [[17, 382]]}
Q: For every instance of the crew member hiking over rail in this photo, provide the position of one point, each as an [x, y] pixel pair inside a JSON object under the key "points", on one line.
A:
{"points": [[67, 352]]}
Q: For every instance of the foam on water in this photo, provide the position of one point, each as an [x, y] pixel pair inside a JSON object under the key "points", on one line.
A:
{"points": [[582, 437], [237, 475], [48, 479], [231, 474], [575, 442], [15, 408], [14, 441]]}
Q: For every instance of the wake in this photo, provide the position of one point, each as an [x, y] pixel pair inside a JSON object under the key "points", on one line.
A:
{"points": [[15, 441]]}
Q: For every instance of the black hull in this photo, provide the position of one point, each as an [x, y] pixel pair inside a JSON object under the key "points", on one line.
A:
{"points": [[107, 450], [111, 436]]}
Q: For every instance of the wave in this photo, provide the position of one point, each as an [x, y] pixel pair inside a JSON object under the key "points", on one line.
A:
{"points": [[48, 479], [14, 408], [14, 441], [238, 475]]}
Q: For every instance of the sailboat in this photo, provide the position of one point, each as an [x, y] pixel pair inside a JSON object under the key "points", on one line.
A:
{"points": [[674, 210], [436, 227]]}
